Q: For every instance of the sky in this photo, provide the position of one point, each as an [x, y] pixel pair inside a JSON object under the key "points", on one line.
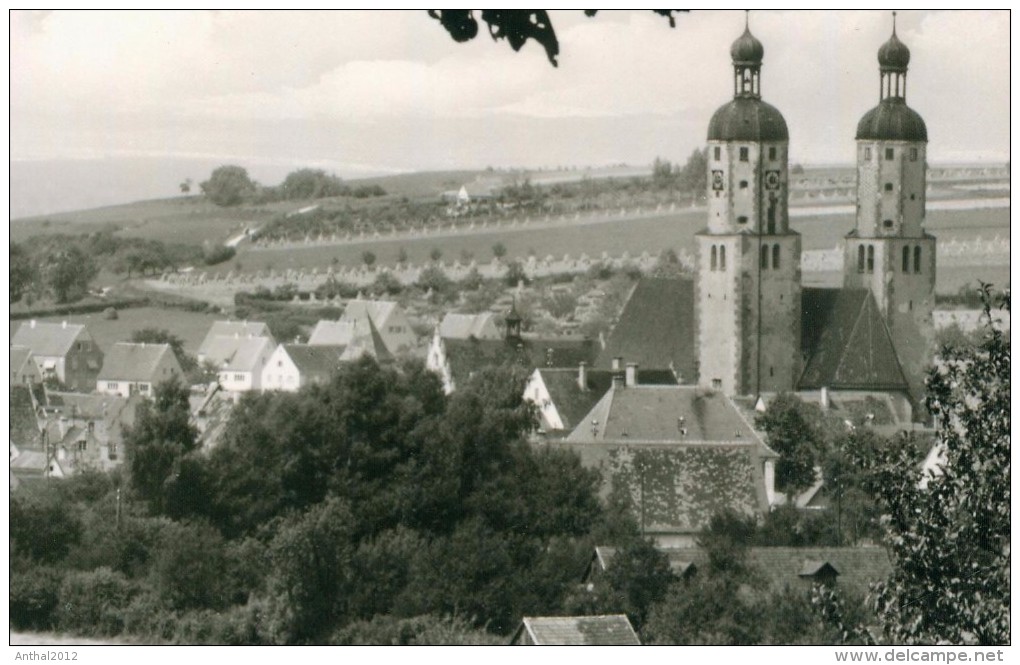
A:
{"points": [[369, 92]]}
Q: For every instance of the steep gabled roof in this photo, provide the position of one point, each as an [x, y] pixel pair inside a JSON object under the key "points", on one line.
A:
{"points": [[656, 328], [47, 339], [127, 361], [233, 329], [573, 403], [467, 356], [314, 359], [606, 630], [659, 413], [845, 342], [463, 326], [376, 310], [332, 333]]}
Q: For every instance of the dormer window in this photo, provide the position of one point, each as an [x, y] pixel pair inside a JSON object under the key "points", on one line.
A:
{"points": [[744, 154]]}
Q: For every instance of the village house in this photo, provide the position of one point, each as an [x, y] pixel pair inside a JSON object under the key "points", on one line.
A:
{"points": [[456, 359], [466, 326], [62, 351], [240, 361], [565, 395], [212, 351], [356, 337], [605, 630], [388, 319], [292, 366], [136, 368], [681, 453], [23, 367]]}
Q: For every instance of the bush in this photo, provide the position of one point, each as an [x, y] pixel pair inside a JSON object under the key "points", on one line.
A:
{"points": [[33, 598], [419, 630], [218, 254], [190, 569], [93, 603]]}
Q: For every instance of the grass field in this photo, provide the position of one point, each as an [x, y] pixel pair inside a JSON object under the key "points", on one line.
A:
{"points": [[191, 327]]}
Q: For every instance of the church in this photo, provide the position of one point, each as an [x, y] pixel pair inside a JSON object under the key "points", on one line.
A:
{"points": [[746, 326]]}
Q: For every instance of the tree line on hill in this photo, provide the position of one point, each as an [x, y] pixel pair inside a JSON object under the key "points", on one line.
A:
{"points": [[230, 185]]}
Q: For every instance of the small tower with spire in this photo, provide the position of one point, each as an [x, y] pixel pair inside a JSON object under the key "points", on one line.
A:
{"points": [[748, 279], [888, 251], [513, 323]]}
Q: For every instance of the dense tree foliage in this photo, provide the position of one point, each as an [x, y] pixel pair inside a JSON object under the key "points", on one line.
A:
{"points": [[68, 273], [228, 185], [22, 273], [792, 429], [311, 184]]}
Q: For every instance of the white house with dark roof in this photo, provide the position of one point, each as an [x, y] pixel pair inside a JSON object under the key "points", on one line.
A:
{"points": [[23, 367], [135, 368], [63, 351], [292, 366], [242, 361], [215, 351]]}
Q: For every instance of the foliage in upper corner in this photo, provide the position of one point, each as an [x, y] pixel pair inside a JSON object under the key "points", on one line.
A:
{"points": [[948, 530], [517, 26]]}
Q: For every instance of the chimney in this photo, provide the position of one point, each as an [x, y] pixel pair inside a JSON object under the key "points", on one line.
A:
{"points": [[618, 379], [824, 400], [617, 363], [631, 374], [582, 375], [63, 324], [32, 324]]}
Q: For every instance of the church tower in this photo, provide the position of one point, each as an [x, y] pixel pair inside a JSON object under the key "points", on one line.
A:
{"points": [[748, 279], [889, 251]]}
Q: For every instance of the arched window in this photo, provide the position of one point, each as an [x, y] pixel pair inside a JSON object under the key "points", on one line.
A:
{"points": [[871, 258], [722, 257], [714, 258], [917, 258], [764, 257], [775, 257], [860, 258]]}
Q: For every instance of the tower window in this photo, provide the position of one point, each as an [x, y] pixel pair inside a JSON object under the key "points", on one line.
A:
{"points": [[772, 153], [888, 153], [717, 153], [917, 258], [888, 186], [888, 223], [775, 257], [764, 257], [743, 184], [906, 259], [871, 258], [743, 154], [867, 154], [715, 259], [722, 257], [742, 219], [860, 258], [913, 154]]}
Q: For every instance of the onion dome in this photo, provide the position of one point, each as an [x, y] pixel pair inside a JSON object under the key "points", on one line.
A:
{"points": [[747, 50], [894, 55], [748, 119], [892, 120]]}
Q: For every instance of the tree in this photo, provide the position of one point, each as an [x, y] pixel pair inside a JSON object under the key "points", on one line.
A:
{"points": [[186, 186], [368, 258], [311, 184], [228, 185], [515, 274], [436, 254], [948, 532], [663, 174], [158, 447], [694, 174], [499, 250], [22, 274], [517, 26], [402, 255], [68, 273], [791, 430]]}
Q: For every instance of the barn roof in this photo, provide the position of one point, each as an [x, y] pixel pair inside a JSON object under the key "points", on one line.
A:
{"points": [[608, 630], [47, 339], [463, 326], [314, 359], [232, 329], [573, 403], [126, 361]]}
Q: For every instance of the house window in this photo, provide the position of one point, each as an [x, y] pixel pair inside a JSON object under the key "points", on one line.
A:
{"points": [[722, 258], [717, 384], [743, 154], [913, 154], [113, 386], [871, 258], [743, 184], [867, 154], [742, 219], [772, 153], [82, 446], [143, 387], [888, 186], [888, 154], [887, 223], [775, 257], [917, 258], [860, 258], [239, 377], [764, 257], [717, 153], [906, 259], [715, 258]]}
